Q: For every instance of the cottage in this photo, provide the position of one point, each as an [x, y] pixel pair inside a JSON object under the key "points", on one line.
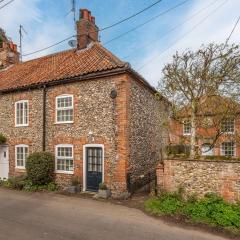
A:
{"points": [[217, 127], [98, 116]]}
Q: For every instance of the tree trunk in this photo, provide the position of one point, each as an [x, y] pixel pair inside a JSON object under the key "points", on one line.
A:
{"points": [[193, 132]]}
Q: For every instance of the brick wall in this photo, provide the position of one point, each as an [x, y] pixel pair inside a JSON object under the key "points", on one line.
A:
{"points": [[200, 177], [176, 136]]}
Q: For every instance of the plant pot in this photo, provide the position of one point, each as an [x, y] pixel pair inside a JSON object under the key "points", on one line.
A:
{"points": [[104, 193], [73, 189]]}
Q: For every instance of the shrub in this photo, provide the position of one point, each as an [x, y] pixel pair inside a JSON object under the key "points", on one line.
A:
{"points": [[211, 209], [40, 168], [75, 181], [3, 139], [52, 187], [178, 150], [214, 210], [17, 182], [103, 186], [166, 204]]}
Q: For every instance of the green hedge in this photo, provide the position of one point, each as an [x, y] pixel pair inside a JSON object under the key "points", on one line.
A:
{"points": [[40, 168], [178, 149]]}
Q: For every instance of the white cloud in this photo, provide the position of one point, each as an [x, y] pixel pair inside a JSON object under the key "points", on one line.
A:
{"points": [[216, 28], [41, 32], [23, 12]]}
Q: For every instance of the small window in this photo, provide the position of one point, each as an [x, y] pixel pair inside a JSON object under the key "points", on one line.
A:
{"points": [[64, 109], [227, 125], [21, 152], [228, 149], [21, 113], [64, 158], [186, 128]]}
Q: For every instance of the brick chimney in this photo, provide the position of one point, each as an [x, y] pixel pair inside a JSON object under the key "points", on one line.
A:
{"points": [[87, 31], [8, 51]]}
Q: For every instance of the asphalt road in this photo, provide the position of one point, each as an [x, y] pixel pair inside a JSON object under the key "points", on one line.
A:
{"points": [[25, 216]]}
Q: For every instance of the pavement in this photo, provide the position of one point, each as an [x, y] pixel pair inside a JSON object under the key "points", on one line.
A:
{"points": [[35, 216]]}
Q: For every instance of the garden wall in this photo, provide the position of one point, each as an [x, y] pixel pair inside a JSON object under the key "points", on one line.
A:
{"points": [[200, 177]]}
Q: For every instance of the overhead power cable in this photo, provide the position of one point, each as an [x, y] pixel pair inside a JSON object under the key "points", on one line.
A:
{"points": [[46, 48], [171, 30], [234, 27], [183, 36], [102, 29], [6, 4], [132, 16], [146, 22]]}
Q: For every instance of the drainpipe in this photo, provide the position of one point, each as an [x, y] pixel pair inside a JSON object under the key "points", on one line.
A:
{"points": [[44, 120]]}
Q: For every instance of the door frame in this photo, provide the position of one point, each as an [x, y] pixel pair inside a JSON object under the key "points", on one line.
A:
{"points": [[85, 160], [7, 147]]}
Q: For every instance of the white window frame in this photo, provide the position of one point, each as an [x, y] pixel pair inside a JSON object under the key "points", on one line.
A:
{"points": [[233, 127], [63, 108], [24, 116], [234, 149], [56, 158], [184, 133], [24, 160]]}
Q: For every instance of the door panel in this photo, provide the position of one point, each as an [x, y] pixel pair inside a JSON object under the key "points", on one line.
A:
{"points": [[94, 162], [4, 163]]}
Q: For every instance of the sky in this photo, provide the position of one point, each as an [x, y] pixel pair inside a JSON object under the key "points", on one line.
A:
{"points": [[147, 49]]}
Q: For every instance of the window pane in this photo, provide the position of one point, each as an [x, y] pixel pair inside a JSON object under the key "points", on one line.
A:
{"points": [[22, 113], [227, 125], [186, 127], [21, 156], [228, 149], [65, 109], [65, 158]]}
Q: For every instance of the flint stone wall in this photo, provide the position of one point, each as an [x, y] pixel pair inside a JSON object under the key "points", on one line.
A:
{"points": [[200, 177]]}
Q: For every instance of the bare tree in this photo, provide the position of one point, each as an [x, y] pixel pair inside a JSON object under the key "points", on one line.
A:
{"points": [[193, 77]]}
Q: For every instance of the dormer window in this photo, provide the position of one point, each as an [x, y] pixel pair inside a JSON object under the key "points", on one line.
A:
{"points": [[21, 113], [64, 109], [186, 128]]}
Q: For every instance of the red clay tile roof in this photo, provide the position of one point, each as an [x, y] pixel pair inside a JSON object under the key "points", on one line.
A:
{"points": [[59, 66]]}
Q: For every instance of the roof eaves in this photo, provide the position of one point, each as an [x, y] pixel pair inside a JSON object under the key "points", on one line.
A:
{"points": [[81, 77]]}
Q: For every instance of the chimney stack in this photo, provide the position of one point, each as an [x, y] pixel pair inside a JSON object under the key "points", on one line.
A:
{"points": [[8, 51], [87, 31]]}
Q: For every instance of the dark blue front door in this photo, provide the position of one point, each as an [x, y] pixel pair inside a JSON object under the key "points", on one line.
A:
{"points": [[94, 167]]}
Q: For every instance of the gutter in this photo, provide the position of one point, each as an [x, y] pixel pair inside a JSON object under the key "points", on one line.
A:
{"points": [[112, 72], [73, 79], [44, 119]]}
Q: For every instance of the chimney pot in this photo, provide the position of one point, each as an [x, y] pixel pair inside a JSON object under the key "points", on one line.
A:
{"points": [[84, 14], [93, 19], [89, 16], [87, 31]]}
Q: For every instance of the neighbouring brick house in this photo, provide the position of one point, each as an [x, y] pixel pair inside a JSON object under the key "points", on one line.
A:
{"points": [[8, 51], [98, 116], [226, 144], [205, 174]]}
